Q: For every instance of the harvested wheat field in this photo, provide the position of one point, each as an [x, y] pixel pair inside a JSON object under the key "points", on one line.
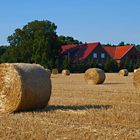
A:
{"points": [[80, 111]]}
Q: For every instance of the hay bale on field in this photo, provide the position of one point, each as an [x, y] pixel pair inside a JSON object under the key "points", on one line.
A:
{"points": [[54, 71], [65, 72], [123, 72], [23, 87], [38, 65], [136, 79], [94, 76], [135, 70], [49, 72]]}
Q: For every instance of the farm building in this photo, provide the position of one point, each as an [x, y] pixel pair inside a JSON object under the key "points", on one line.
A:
{"points": [[85, 52], [121, 53]]}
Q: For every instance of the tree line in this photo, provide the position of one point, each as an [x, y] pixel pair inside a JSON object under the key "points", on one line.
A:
{"points": [[38, 42], [109, 66]]}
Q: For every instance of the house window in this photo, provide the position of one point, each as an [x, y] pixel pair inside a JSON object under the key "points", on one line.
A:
{"points": [[94, 55], [102, 55]]}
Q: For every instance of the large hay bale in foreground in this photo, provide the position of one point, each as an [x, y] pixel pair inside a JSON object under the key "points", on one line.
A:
{"points": [[49, 72], [54, 71], [23, 87], [136, 79], [65, 72], [123, 72], [94, 76]]}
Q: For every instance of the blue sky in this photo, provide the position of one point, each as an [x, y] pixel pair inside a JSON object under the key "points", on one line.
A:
{"points": [[107, 21]]}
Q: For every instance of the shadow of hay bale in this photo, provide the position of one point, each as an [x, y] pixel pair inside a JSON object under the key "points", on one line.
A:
{"points": [[119, 83], [77, 108], [69, 108]]}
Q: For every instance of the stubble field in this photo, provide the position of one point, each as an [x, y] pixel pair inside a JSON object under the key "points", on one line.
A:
{"points": [[80, 111]]}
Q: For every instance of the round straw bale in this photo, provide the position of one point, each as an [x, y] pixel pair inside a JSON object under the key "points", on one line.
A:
{"points": [[65, 72], [135, 70], [94, 76], [54, 71], [38, 65], [49, 72], [23, 87], [136, 79], [123, 72]]}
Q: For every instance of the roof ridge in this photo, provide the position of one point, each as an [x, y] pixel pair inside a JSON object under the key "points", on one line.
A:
{"points": [[127, 50], [90, 49]]}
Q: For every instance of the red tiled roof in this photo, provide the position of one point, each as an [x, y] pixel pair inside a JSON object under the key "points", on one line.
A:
{"points": [[117, 52], [83, 51], [67, 47], [111, 50], [88, 49], [121, 51]]}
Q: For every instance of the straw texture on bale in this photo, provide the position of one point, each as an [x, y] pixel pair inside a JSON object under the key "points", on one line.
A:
{"points": [[136, 80], [123, 72], [54, 71], [23, 87], [94, 76], [65, 72]]}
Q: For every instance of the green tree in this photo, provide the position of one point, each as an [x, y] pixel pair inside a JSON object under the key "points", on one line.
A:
{"points": [[131, 66], [138, 47], [10, 55], [36, 42], [137, 65], [2, 51], [89, 63], [80, 66], [50, 65], [126, 63], [67, 40], [111, 65], [66, 63], [121, 44]]}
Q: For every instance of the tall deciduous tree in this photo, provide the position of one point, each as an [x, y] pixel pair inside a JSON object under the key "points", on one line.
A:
{"points": [[67, 40], [2, 51], [111, 65], [36, 42], [121, 44]]}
